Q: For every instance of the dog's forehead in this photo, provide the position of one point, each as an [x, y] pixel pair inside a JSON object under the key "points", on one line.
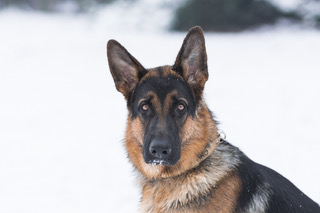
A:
{"points": [[162, 81]]}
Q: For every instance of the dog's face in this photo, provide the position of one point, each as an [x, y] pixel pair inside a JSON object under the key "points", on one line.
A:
{"points": [[167, 129], [162, 101]]}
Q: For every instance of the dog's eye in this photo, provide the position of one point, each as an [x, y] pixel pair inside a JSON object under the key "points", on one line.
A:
{"points": [[180, 107], [145, 107]]}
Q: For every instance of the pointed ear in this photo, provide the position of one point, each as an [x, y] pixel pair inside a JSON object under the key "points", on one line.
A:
{"points": [[191, 61], [125, 69]]}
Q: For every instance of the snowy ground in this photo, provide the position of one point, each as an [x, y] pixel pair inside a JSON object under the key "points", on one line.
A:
{"points": [[62, 121]]}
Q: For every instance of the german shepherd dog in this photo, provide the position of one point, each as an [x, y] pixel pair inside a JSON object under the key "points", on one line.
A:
{"points": [[173, 142]]}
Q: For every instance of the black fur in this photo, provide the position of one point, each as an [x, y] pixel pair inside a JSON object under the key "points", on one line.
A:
{"points": [[283, 196]]}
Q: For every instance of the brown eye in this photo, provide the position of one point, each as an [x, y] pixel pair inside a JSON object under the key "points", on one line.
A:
{"points": [[145, 107], [181, 107]]}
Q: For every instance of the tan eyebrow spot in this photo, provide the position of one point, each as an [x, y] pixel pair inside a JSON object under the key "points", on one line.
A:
{"points": [[154, 101], [184, 100]]}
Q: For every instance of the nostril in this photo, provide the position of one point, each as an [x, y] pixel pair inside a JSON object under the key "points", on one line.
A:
{"points": [[160, 149]]}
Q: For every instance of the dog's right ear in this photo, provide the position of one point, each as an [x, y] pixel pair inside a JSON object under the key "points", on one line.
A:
{"points": [[125, 69]]}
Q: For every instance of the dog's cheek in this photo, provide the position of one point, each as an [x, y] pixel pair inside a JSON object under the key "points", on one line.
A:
{"points": [[133, 142], [192, 135], [195, 136], [135, 130], [189, 131]]}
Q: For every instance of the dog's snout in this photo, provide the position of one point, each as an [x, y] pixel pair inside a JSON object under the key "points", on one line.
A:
{"points": [[160, 149], [163, 149]]}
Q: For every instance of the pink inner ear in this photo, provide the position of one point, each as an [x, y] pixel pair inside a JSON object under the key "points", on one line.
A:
{"points": [[127, 72], [193, 62], [128, 76], [191, 66]]}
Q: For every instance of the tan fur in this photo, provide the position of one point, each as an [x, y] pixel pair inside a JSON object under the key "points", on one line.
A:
{"points": [[151, 73], [226, 195], [173, 188]]}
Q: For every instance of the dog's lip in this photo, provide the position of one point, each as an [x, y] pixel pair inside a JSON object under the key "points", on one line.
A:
{"points": [[158, 162]]}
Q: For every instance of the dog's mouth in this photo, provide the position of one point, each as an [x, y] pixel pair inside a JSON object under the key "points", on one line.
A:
{"points": [[158, 162]]}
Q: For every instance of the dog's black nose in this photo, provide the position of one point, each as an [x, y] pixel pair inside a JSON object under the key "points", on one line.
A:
{"points": [[160, 149]]}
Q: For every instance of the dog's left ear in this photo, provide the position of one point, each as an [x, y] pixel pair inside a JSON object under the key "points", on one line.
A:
{"points": [[191, 61]]}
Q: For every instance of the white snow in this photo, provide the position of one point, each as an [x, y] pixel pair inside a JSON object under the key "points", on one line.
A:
{"points": [[62, 121]]}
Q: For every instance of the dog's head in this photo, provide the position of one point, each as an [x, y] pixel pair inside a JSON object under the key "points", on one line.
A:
{"points": [[169, 128]]}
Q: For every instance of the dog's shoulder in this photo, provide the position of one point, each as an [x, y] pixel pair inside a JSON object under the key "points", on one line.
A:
{"points": [[265, 190]]}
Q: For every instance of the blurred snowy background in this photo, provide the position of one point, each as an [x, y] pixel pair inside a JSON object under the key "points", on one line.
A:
{"points": [[62, 121]]}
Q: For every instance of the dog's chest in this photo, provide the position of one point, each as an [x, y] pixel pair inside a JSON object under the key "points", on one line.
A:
{"points": [[168, 196], [211, 187], [191, 194]]}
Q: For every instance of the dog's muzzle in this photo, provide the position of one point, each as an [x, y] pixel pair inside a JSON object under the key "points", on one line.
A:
{"points": [[161, 151]]}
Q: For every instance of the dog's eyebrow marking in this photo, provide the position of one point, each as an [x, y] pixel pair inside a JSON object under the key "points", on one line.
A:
{"points": [[152, 97], [148, 96], [183, 99], [147, 99]]}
